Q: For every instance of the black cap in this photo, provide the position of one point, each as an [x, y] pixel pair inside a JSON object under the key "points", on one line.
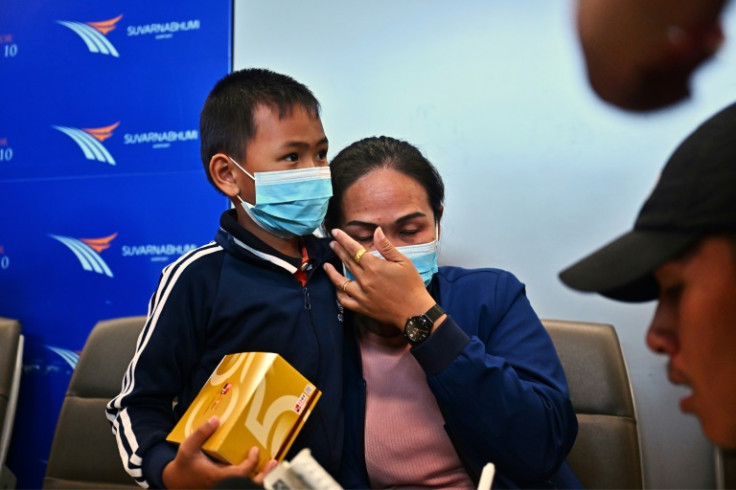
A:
{"points": [[695, 197]]}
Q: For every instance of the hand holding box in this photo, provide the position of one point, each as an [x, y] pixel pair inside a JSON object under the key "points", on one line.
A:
{"points": [[260, 399]]}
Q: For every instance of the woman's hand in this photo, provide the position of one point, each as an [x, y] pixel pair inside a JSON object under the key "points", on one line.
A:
{"points": [[389, 291], [192, 468]]}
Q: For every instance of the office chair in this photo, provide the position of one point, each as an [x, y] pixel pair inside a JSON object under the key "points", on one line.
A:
{"points": [[84, 453], [725, 468], [607, 451], [11, 360]]}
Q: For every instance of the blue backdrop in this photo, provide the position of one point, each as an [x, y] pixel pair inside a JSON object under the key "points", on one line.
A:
{"points": [[101, 184]]}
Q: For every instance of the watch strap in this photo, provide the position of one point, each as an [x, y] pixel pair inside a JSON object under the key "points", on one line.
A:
{"points": [[434, 313]]}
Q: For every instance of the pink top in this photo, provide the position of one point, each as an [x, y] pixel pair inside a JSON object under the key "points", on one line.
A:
{"points": [[405, 440]]}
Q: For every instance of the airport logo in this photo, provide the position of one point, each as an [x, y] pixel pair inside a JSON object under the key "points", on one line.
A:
{"points": [[88, 251], [163, 30], [93, 34], [90, 141], [157, 252], [160, 139], [69, 356]]}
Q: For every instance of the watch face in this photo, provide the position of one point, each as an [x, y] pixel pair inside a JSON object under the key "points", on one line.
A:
{"points": [[417, 329]]}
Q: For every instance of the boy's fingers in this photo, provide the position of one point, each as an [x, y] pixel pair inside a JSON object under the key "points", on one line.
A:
{"points": [[194, 441], [249, 464], [261, 476], [270, 466]]}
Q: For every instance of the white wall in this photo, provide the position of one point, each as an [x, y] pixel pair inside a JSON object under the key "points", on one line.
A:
{"points": [[538, 171]]}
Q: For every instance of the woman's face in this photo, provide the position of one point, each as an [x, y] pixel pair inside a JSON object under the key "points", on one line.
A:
{"points": [[392, 200]]}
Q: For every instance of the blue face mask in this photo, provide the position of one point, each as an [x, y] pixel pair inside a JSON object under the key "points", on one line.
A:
{"points": [[289, 203], [423, 256]]}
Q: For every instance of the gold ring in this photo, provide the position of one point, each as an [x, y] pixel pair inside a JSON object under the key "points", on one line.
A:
{"points": [[359, 255], [345, 286]]}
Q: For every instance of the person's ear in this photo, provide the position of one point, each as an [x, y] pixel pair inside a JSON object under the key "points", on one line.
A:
{"points": [[222, 175], [438, 219]]}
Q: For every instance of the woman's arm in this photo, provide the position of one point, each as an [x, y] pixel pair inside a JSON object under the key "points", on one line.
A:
{"points": [[503, 392]]}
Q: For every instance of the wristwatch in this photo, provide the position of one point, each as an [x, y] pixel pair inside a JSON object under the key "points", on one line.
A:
{"points": [[418, 328]]}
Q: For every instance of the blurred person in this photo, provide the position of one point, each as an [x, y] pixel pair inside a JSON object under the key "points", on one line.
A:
{"points": [[682, 252], [640, 54], [447, 369]]}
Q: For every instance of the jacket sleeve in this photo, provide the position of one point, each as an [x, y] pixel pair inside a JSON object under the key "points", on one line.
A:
{"points": [[498, 380], [143, 413]]}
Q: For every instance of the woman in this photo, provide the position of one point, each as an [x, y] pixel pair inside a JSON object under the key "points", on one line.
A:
{"points": [[458, 369]]}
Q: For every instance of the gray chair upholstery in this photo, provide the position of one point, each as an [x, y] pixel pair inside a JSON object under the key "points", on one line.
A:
{"points": [[725, 469], [606, 453], [11, 357], [84, 453]]}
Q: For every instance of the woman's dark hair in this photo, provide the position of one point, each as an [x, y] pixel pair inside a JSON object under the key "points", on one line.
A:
{"points": [[366, 155]]}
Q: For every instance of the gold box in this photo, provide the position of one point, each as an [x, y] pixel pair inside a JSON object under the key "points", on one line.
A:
{"points": [[260, 399]]}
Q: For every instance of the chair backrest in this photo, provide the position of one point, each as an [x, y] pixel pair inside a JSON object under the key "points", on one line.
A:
{"points": [[607, 451], [725, 468], [11, 360], [84, 453]]}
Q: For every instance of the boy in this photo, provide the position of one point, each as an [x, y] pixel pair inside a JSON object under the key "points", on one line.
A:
{"points": [[259, 286]]}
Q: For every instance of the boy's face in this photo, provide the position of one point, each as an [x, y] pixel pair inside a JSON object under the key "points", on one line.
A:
{"points": [[296, 140], [695, 325]]}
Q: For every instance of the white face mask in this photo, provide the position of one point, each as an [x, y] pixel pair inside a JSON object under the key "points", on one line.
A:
{"points": [[289, 202]]}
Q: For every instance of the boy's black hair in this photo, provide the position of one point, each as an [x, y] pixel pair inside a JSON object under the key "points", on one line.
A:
{"points": [[226, 123]]}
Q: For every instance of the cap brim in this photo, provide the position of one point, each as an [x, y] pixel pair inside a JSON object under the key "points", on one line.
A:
{"points": [[624, 269]]}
